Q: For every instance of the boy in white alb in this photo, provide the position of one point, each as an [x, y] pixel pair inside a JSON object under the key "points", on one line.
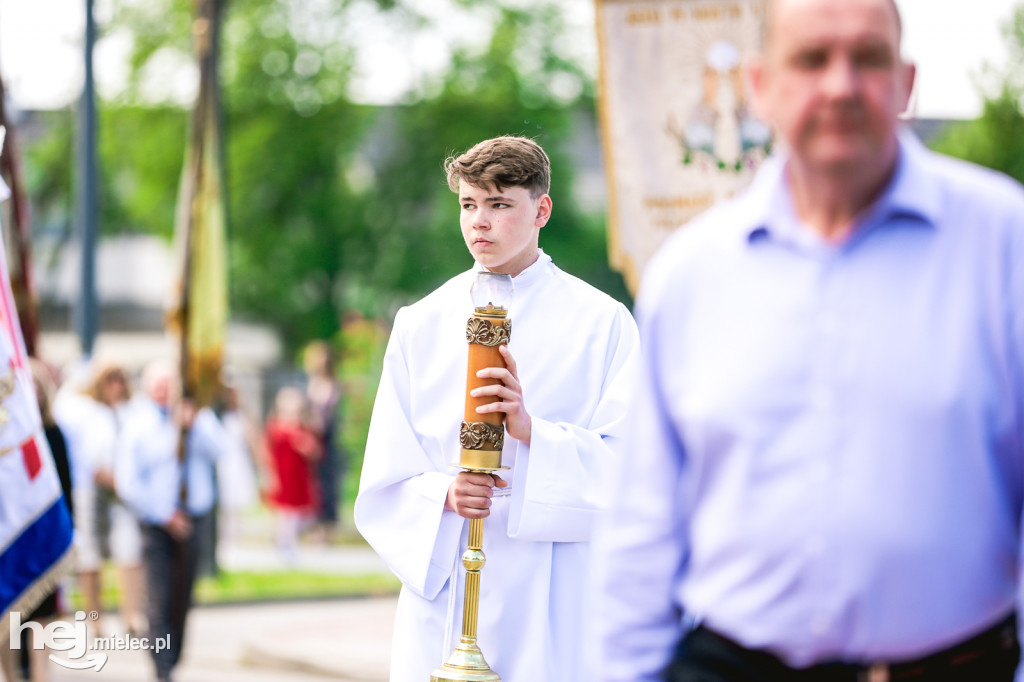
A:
{"points": [[571, 365]]}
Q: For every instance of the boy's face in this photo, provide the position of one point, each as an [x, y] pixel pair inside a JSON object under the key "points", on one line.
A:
{"points": [[501, 229]]}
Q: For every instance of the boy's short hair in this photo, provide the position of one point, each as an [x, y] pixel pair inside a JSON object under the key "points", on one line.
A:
{"points": [[502, 162]]}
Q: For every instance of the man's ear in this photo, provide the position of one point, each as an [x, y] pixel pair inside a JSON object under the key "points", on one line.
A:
{"points": [[758, 88], [543, 211], [909, 73]]}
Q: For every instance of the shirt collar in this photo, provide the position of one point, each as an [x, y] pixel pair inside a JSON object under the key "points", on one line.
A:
{"points": [[531, 274], [910, 193]]}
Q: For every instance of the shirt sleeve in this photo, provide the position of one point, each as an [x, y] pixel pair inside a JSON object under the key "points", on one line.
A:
{"points": [[640, 546], [1015, 311], [400, 506], [561, 477]]}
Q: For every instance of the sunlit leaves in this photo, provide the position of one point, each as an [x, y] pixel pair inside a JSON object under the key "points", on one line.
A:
{"points": [[996, 138]]}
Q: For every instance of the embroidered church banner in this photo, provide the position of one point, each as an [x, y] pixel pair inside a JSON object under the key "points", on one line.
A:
{"points": [[677, 123], [35, 527]]}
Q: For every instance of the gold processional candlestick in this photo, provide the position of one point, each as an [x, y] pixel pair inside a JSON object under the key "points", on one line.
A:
{"points": [[482, 437]]}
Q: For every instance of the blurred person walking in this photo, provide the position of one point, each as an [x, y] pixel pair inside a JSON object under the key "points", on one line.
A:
{"points": [[106, 527], [293, 450], [32, 663], [73, 409], [827, 462], [324, 394], [172, 491]]}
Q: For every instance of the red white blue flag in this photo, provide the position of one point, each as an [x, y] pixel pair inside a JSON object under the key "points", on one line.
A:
{"points": [[35, 526]]}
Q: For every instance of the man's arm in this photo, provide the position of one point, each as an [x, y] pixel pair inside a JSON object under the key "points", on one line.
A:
{"points": [[1015, 309], [640, 547]]}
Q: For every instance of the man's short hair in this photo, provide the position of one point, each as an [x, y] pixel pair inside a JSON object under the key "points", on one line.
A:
{"points": [[766, 26], [500, 162]]}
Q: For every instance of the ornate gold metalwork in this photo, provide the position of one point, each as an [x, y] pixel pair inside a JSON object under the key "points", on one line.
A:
{"points": [[481, 436], [487, 333]]}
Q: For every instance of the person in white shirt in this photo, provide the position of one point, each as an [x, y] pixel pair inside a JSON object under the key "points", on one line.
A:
{"points": [[173, 499]]}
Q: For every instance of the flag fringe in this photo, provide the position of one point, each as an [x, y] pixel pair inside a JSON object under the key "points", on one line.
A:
{"points": [[34, 595]]}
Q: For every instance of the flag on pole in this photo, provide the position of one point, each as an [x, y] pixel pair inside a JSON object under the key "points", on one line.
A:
{"points": [[35, 526], [18, 236], [677, 124], [199, 311]]}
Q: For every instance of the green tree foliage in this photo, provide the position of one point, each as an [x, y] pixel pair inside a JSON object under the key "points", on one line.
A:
{"points": [[139, 169], [297, 223], [996, 138], [335, 206]]}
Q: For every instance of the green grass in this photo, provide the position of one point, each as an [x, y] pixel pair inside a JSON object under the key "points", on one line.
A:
{"points": [[245, 586], [295, 584]]}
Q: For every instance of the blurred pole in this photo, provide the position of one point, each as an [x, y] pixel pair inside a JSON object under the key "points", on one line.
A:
{"points": [[86, 312], [18, 232]]}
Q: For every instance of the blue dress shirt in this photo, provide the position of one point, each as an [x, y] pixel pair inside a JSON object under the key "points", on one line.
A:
{"points": [[827, 454], [147, 469]]}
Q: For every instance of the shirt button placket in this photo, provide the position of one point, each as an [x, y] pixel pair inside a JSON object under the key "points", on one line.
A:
{"points": [[823, 411]]}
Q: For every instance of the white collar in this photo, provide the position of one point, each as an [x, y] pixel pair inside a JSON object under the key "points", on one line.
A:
{"points": [[529, 275]]}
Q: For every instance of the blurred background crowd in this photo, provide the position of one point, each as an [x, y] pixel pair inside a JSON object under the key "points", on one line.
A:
{"points": [[289, 466], [337, 213]]}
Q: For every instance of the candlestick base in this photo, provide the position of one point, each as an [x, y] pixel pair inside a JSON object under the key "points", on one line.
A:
{"points": [[466, 664]]}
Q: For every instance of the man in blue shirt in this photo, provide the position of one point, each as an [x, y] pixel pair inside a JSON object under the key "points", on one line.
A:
{"points": [[826, 474], [149, 471]]}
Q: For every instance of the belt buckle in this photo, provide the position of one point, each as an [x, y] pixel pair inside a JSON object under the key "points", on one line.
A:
{"points": [[876, 672]]}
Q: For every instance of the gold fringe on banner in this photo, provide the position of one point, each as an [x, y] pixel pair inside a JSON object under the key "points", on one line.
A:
{"points": [[34, 595]]}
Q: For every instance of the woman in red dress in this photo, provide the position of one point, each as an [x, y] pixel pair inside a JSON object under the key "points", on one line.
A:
{"points": [[293, 450]]}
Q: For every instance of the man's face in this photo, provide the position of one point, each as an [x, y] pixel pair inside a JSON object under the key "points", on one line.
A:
{"points": [[160, 388], [501, 228], [833, 82]]}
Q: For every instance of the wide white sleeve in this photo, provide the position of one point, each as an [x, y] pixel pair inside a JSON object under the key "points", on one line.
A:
{"points": [[561, 477], [640, 546], [400, 507]]}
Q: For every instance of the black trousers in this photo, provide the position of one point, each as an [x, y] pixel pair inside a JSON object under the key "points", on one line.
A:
{"points": [[705, 656], [170, 567]]}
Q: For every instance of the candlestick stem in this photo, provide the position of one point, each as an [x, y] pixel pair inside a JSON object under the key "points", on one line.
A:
{"points": [[467, 663]]}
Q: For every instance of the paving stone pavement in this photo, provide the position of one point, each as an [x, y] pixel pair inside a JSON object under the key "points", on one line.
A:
{"points": [[346, 640]]}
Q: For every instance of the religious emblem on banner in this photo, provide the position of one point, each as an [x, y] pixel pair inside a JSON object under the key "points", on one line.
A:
{"points": [[7, 386], [678, 125]]}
